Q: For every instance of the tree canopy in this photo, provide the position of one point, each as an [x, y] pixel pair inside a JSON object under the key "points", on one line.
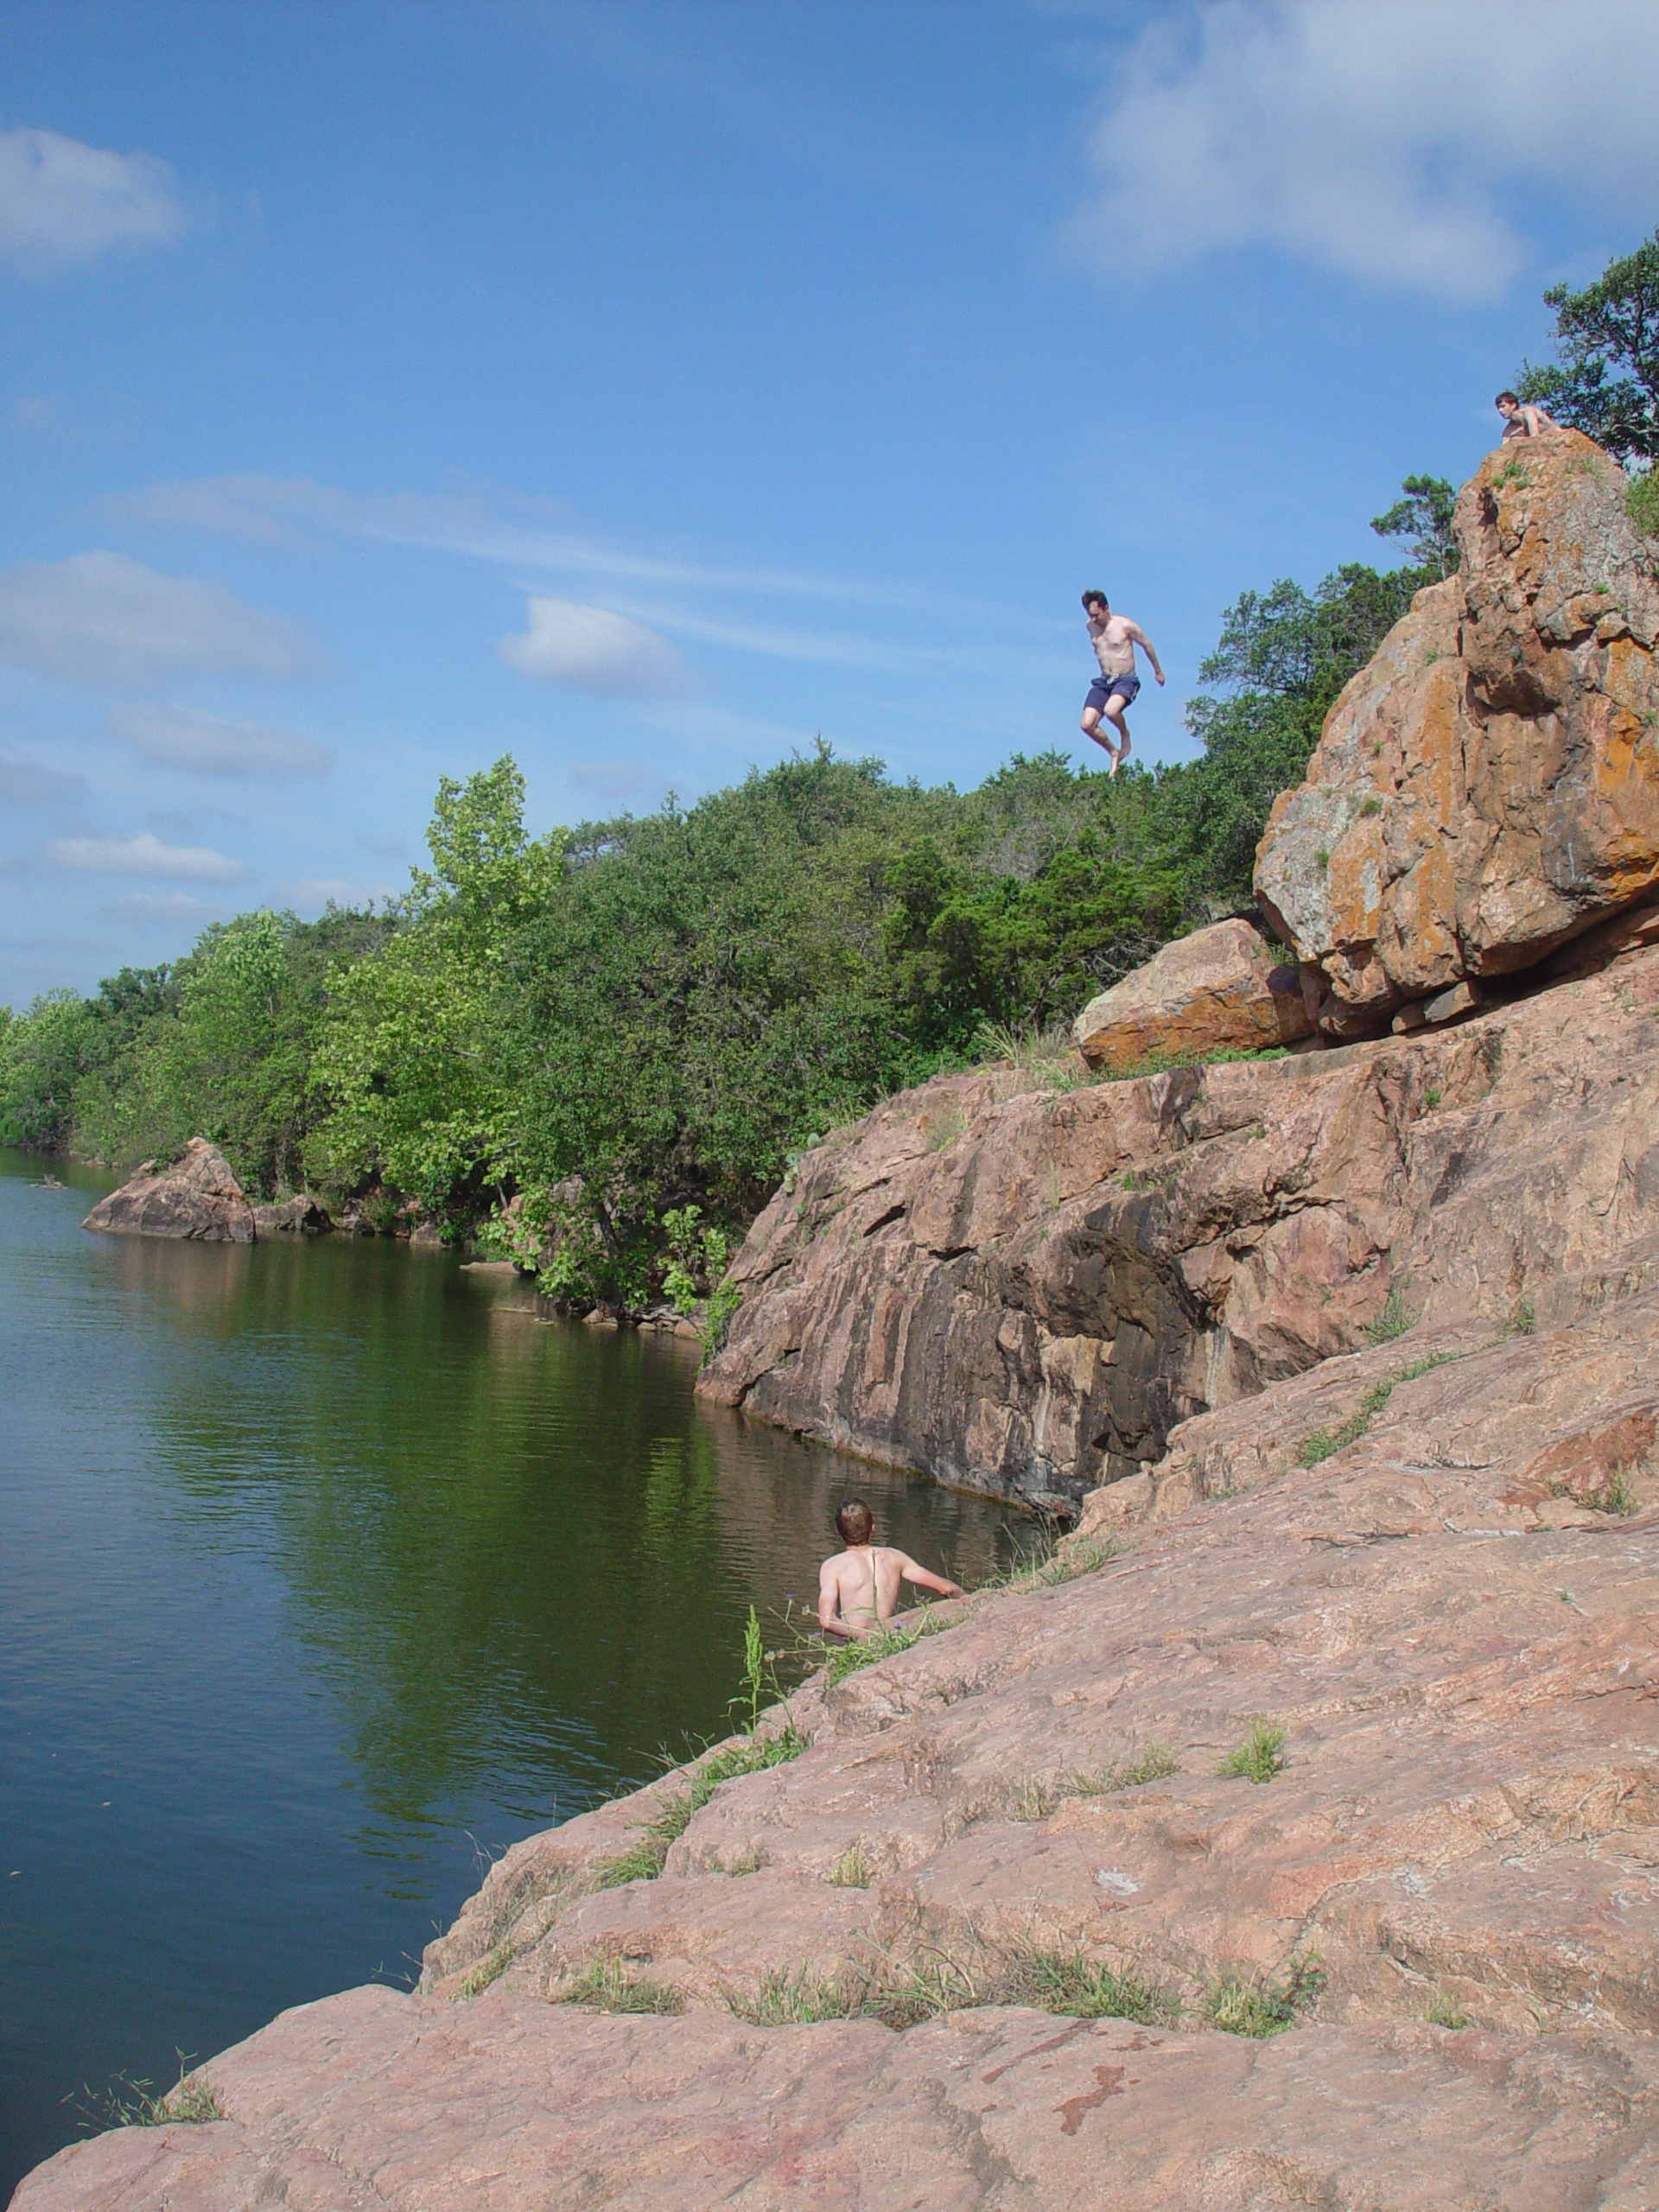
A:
{"points": [[1606, 382]]}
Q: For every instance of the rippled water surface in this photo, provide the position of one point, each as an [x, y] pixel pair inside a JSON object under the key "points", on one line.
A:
{"points": [[323, 1570]]}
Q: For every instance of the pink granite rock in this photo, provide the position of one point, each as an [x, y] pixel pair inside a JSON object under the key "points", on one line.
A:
{"points": [[1221, 988], [198, 1198]]}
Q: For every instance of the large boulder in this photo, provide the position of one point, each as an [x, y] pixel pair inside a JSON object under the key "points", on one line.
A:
{"points": [[197, 1197], [1222, 986], [1487, 788]]}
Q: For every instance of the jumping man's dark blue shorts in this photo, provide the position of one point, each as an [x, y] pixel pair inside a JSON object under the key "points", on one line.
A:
{"points": [[1102, 688]]}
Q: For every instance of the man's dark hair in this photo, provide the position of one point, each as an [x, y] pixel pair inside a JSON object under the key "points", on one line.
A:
{"points": [[1095, 598], [1502, 395], [855, 1522]]}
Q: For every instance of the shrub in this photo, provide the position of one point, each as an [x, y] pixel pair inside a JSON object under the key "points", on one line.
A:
{"points": [[1262, 1754]]}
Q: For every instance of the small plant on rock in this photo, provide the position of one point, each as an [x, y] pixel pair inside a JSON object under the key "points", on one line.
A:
{"points": [[1523, 1318], [849, 1872], [605, 1987], [1444, 2014], [1393, 1321], [1083, 1989], [1239, 2008], [1262, 1754]]}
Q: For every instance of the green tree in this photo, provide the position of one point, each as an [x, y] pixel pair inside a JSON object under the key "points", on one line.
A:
{"points": [[409, 1070], [43, 1055], [1606, 382], [1423, 519]]}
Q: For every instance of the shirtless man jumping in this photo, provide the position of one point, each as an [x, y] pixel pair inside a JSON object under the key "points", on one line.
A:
{"points": [[1114, 637], [858, 1590]]}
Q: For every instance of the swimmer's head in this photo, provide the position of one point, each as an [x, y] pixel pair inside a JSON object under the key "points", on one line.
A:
{"points": [[854, 1523]]}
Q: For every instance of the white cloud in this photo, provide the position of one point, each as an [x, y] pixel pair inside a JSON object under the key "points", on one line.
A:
{"points": [[159, 906], [29, 782], [144, 854], [61, 202], [206, 744], [1395, 141], [592, 649], [101, 619]]}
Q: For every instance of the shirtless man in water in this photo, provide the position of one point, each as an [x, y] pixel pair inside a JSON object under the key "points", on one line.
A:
{"points": [[858, 1590], [1114, 637]]}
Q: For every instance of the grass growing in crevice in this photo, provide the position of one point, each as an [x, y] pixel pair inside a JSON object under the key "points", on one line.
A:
{"points": [[1615, 1495], [1083, 1989], [644, 1860], [1268, 2008], [604, 1987], [781, 1999], [135, 2104], [1040, 1795], [1393, 1321], [848, 1658], [1443, 2013], [1321, 1444], [849, 1872], [491, 1969], [1262, 1754], [903, 1995]]}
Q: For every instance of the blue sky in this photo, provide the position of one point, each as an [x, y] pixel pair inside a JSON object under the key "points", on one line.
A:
{"points": [[645, 389]]}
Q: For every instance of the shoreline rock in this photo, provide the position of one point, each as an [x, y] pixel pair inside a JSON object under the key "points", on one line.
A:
{"points": [[199, 1199]]}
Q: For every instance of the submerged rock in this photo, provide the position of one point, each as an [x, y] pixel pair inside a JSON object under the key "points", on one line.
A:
{"points": [[1220, 987], [198, 1198], [1487, 788]]}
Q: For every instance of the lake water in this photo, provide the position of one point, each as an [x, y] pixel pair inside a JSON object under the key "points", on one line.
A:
{"points": [[325, 1571]]}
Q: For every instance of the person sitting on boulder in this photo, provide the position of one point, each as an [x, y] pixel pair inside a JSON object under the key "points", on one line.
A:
{"points": [[1114, 637], [858, 1589], [1522, 420]]}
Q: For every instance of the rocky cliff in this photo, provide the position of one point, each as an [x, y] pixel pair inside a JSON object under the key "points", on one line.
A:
{"points": [[1023, 1291], [1487, 789]]}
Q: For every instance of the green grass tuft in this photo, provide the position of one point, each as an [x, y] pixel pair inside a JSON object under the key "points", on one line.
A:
{"points": [[487, 1970], [644, 1860], [1238, 2008], [781, 1999], [1393, 1321], [1444, 2014], [850, 1657], [1615, 1495], [604, 1987], [1262, 1754], [849, 1872], [1083, 1989], [1642, 502]]}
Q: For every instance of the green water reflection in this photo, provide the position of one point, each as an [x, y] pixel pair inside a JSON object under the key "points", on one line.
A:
{"points": [[317, 1562]]}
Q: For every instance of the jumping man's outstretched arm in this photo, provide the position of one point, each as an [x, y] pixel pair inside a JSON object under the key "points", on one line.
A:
{"points": [[1147, 647]]}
